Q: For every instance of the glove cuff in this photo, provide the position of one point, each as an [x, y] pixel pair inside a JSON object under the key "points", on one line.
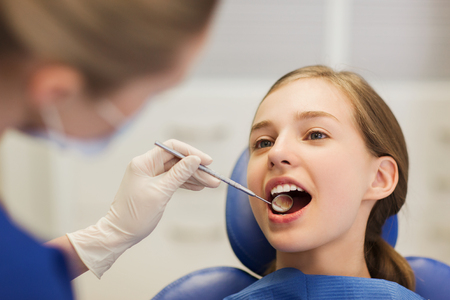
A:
{"points": [[99, 245]]}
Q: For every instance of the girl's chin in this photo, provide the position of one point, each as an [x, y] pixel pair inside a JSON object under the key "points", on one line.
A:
{"points": [[284, 245]]}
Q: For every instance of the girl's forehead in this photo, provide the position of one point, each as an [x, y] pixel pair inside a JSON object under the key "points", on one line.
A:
{"points": [[309, 94]]}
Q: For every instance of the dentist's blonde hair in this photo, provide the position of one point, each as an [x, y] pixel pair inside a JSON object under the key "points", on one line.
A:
{"points": [[109, 41], [383, 137]]}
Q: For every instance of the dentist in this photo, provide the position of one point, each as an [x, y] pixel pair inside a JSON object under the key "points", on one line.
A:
{"points": [[75, 72]]}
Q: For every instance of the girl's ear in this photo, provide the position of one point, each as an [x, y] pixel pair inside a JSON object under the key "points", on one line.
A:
{"points": [[385, 181]]}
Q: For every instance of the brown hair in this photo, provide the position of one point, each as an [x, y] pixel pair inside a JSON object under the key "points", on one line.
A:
{"points": [[108, 40], [383, 137]]}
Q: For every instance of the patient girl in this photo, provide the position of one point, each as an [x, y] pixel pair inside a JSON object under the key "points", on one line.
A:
{"points": [[330, 142]]}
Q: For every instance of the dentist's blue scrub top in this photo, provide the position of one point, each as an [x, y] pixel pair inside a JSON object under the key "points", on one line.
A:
{"points": [[29, 270], [289, 283]]}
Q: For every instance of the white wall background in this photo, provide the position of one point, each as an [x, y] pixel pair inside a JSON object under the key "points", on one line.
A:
{"points": [[400, 46]]}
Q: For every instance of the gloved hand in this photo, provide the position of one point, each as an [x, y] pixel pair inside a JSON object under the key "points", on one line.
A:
{"points": [[148, 184]]}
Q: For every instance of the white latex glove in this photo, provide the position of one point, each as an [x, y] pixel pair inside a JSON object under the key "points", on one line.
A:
{"points": [[148, 184]]}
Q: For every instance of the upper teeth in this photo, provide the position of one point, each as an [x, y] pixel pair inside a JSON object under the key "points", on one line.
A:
{"points": [[282, 188]]}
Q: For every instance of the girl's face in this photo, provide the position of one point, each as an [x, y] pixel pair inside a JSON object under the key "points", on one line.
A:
{"points": [[304, 142]]}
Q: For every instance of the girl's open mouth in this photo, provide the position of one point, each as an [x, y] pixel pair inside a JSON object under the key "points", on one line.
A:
{"points": [[300, 197]]}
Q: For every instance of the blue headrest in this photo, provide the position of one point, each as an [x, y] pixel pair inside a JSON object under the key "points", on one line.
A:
{"points": [[246, 238]]}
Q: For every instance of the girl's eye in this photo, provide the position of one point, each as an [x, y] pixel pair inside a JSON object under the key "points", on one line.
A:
{"points": [[263, 144], [317, 135]]}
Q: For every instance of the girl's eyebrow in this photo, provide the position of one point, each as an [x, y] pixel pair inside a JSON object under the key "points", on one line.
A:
{"points": [[314, 114], [260, 125], [300, 116]]}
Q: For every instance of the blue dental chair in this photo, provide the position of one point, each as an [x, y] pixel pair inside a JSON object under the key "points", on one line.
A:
{"points": [[254, 251]]}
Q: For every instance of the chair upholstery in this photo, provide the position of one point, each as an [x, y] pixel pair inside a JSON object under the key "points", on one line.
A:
{"points": [[210, 283], [254, 251], [432, 277]]}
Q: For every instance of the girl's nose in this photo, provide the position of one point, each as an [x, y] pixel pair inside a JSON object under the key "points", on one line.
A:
{"points": [[282, 154]]}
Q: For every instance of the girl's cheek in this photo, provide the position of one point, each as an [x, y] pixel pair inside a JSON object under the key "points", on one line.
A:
{"points": [[252, 181], [254, 177]]}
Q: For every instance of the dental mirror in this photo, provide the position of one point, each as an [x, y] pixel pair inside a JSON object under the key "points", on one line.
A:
{"points": [[282, 203]]}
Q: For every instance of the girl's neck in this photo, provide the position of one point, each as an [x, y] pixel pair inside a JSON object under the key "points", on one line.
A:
{"points": [[314, 262], [342, 257]]}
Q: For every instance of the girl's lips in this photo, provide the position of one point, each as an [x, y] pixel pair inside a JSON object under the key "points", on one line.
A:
{"points": [[283, 218]]}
